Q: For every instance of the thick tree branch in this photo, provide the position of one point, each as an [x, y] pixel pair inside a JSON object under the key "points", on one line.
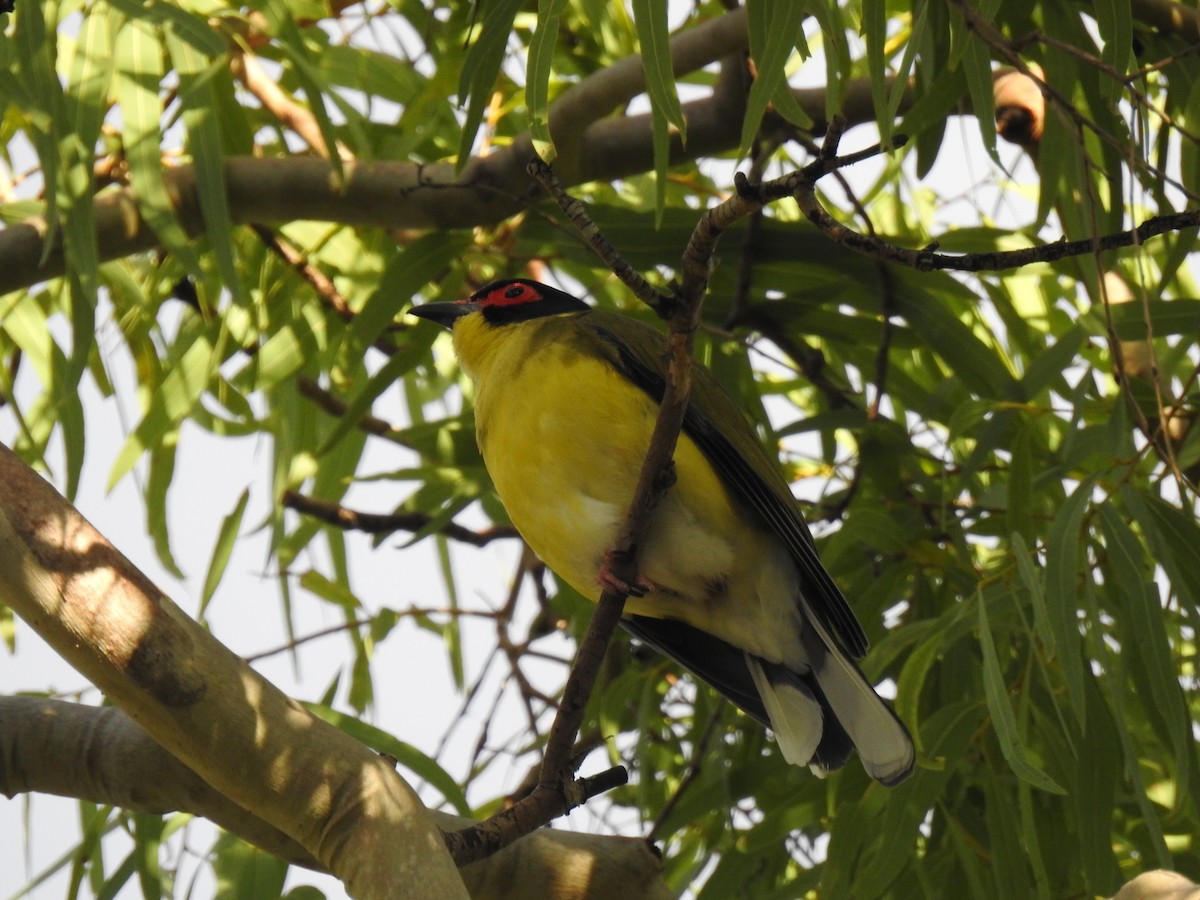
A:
{"points": [[100, 755], [435, 196], [342, 803]]}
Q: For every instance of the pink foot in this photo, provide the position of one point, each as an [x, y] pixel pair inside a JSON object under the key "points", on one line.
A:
{"points": [[610, 582]]}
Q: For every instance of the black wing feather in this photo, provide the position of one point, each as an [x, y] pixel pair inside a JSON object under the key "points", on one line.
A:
{"points": [[731, 465], [723, 666]]}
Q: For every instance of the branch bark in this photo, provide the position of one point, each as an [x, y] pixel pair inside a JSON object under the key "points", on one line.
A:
{"points": [[99, 754], [335, 798], [399, 195]]}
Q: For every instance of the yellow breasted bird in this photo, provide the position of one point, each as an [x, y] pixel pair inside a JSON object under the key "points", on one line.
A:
{"points": [[565, 401]]}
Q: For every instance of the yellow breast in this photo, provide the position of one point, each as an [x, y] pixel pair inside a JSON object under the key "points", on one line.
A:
{"points": [[563, 434]]}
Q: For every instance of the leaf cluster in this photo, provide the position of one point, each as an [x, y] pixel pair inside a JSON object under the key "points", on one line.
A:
{"points": [[1007, 501]]}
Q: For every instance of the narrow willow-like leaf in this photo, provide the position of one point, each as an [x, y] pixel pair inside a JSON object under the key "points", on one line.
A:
{"points": [[204, 141], [161, 475], [874, 28], [307, 73], [1094, 791], [396, 366], [481, 67], [773, 26], [540, 59], [1020, 482], [976, 363], [1009, 862], [1173, 536], [139, 68], [650, 17], [87, 104], [1003, 720], [1062, 588], [411, 269], [1130, 743], [227, 536], [978, 71], [1048, 366], [1179, 315], [654, 38], [452, 630], [1031, 579], [1114, 20], [245, 872], [838, 59], [148, 832], [282, 356], [1144, 633], [39, 88], [171, 402]]}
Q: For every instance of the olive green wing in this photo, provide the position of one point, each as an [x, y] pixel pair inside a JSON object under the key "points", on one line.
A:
{"points": [[718, 428]]}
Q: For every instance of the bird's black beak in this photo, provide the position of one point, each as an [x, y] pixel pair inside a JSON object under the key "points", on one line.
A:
{"points": [[445, 313]]}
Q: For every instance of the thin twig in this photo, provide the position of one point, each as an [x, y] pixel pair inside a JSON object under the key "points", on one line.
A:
{"points": [[376, 523], [558, 790], [541, 172], [334, 406], [247, 68], [927, 260]]}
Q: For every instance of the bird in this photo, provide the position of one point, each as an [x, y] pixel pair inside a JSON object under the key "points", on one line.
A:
{"points": [[730, 585]]}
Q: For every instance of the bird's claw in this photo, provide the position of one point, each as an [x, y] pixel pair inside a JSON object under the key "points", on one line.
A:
{"points": [[609, 581]]}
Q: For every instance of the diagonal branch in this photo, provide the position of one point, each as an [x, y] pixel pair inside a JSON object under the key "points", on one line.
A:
{"points": [[234, 729]]}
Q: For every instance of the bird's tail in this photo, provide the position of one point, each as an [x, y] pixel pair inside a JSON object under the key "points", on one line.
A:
{"points": [[818, 715]]}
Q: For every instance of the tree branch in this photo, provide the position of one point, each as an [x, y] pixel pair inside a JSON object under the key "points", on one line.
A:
{"points": [[100, 755], [376, 523], [399, 195], [339, 801]]}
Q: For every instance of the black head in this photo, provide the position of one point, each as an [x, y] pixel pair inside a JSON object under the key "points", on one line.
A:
{"points": [[503, 302]]}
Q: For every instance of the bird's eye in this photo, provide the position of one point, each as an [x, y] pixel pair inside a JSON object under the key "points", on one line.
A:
{"points": [[515, 291]]}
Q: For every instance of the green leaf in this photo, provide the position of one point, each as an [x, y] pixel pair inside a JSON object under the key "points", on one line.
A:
{"points": [[223, 548], [838, 58], [538, 68], [1094, 789], [148, 831], [170, 403], [184, 34], [1048, 366], [1004, 722], [1173, 536], [291, 41], [1143, 319], [654, 39], [874, 29], [414, 267], [976, 363], [1144, 633], [398, 364], [1062, 588], [244, 872], [481, 67], [773, 27], [140, 72], [1020, 482], [1114, 20], [977, 69], [1032, 583]]}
